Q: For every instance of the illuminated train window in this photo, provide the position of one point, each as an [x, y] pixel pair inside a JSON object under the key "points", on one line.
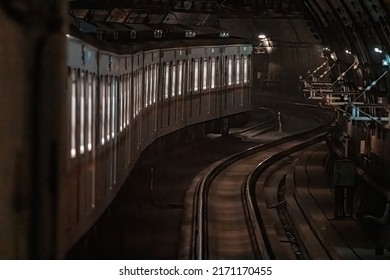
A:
{"points": [[89, 113], [82, 111], [155, 80], [166, 80], [213, 73], [204, 80], [134, 94], [140, 86], [173, 90], [139, 103], [196, 74], [135, 91], [114, 88], [245, 68], [180, 77], [151, 81], [128, 97], [150, 74], [238, 73], [73, 110], [146, 71], [108, 108], [102, 108], [230, 71], [121, 103], [126, 112]]}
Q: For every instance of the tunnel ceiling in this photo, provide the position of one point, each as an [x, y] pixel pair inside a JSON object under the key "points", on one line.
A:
{"points": [[359, 26]]}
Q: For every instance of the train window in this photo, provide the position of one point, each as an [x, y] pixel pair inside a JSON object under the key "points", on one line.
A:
{"points": [[218, 73], [82, 111], [128, 93], [89, 106], [238, 73], [114, 88], [205, 74], [150, 70], [94, 97], [196, 74], [134, 93], [204, 80], [102, 107], [230, 71], [73, 87], [126, 101], [166, 80], [120, 100], [173, 79], [146, 71], [151, 82], [123, 102], [245, 68], [180, 77], [155, 86], [139, 90], [108, 99], [213, 72]]}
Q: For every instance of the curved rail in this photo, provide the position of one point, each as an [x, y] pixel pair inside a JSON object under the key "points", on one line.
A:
{"points": [[199, 240], [263, 244]]}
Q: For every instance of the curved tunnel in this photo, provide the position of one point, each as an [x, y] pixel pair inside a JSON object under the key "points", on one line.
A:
{"points": [[290, 38]]}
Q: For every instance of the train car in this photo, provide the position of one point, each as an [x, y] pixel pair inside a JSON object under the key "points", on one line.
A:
{"points": [[122, 98]]}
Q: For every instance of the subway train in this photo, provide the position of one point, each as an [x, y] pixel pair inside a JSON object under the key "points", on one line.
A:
{"points": [[122, 97]]}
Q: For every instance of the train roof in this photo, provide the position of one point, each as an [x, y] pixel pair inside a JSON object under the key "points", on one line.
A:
{"points": [[138, 45]]}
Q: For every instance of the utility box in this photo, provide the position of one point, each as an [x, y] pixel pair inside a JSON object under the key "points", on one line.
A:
{"points": [[344, 182], [344, 173]]}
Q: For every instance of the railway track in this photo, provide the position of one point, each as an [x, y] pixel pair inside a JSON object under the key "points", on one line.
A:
{"points": [[227, 222]]}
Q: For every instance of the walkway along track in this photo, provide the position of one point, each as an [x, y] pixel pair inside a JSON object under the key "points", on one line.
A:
{"points": [[221, 227]]}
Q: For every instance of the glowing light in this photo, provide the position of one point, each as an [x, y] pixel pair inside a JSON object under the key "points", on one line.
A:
{"points": [[348, 52], [73, 153], [386, 60], [262, 36], [377, 50]]}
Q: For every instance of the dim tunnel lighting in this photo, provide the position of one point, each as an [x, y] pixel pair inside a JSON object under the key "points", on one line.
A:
{"points": [[377, 50], [348, 52], [386, 60], [262, 36]]}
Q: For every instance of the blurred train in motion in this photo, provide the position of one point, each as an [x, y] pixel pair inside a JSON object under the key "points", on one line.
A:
{"points": [[123, 97]]}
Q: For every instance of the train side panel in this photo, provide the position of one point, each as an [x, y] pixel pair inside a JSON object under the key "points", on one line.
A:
{"points": [[119, 104]]}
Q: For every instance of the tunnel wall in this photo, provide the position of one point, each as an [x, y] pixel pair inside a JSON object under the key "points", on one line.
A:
{"points": [[296, 48]]}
